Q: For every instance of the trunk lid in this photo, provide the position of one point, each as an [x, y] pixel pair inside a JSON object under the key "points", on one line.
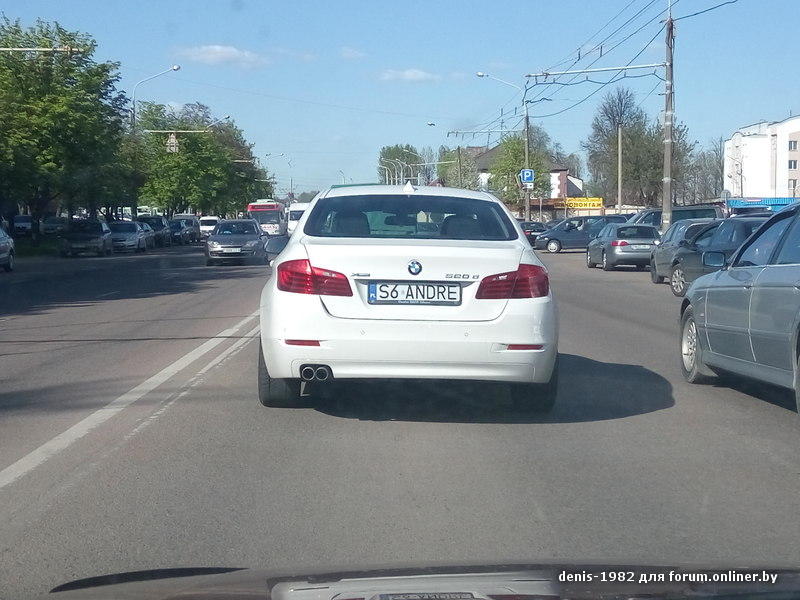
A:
{"points": [[461, 262]]}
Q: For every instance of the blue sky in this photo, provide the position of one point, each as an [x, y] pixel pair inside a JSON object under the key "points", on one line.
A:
{"points": [[329, 82]]}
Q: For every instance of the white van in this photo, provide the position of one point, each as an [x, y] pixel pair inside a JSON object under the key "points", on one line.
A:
{"points": [[295, 211], [207, 225]]}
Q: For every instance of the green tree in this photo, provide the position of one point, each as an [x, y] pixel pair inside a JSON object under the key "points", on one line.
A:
{"points": [[510, 160], [61, 119], [447, 168], [390, 156]]}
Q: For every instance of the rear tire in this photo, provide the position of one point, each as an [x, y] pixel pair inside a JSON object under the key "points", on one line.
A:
{"points": [[589, 263], [677, 281], [9, 266], [654, 276], [553, 246], [536, 397], [277, 393], [692, 366], [607, 266]]}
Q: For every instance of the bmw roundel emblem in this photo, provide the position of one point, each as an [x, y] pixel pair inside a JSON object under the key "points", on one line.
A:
{"points": [[414, 267]]}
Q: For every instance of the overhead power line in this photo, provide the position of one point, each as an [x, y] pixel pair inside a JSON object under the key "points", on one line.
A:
{"points": [[700, 12]]}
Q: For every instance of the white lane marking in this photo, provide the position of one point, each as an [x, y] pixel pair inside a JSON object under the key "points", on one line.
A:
{"points": [[248, 337], [65, 439]]}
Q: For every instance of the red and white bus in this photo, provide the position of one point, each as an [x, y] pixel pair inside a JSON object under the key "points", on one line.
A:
{"points": [[270, 214]]}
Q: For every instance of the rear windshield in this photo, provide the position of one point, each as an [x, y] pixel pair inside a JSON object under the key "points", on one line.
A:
{"points": [[86, 227], [236, 228], [390, 216], [122, 227], [207, 222], [294, 215], [637, 232]]}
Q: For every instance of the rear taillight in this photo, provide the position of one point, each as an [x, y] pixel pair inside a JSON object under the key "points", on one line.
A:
{"points": [[300, 277], [529, 281], [619, 243]]}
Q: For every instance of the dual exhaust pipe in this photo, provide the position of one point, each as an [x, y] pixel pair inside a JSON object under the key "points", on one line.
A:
{"points": [[315, 373]]}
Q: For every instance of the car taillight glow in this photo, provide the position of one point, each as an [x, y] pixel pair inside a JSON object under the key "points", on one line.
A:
{"points": [[524, 347], [300, 277], [302, 342], [619, 243], [528, 281]]}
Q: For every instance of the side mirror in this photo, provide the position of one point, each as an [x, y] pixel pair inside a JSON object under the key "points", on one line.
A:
{"points": [[656, 242], [275, 245], [713, 259]]}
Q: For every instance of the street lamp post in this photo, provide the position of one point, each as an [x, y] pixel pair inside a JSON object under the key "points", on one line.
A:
{"points": [[133, 94], [386, 175], [344, 180], [392, 169], [422, 158], [527, 131]]}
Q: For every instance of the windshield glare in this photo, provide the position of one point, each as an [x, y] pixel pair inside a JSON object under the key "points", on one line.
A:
{"points": [[236, 229]]}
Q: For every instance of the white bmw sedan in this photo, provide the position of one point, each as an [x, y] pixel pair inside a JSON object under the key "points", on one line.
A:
{"points": [[408, 282]]}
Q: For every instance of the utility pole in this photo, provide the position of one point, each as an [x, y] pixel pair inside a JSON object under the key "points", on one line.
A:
{"points": [[666, 200], [527, 194], [619, 168], [460, 176]]}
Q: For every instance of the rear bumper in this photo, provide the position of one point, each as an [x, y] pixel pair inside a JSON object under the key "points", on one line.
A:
{"points": [[241, 254], [363, 348], [628, 257]]}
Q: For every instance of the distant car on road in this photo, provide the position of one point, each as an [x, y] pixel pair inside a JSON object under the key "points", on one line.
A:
{"points": [[192, 223], [363, 265], [207, 225], [181, 234], [52, 225], [675, 237], [621, 244], [128, 236], [149, 234], [23, 224], [239, 239], [723, 236], [160, 227], [296, 211], [745, 316], [574, 232], [7, 251], [86, 235], [531, 229], [652, 216]]}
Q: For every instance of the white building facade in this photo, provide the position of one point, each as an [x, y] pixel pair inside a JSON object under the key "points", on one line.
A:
{"points": [[762, 160]]}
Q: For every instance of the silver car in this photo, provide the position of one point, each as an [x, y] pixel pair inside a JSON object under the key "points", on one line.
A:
{"points": [[745, 318], [621, 244]]}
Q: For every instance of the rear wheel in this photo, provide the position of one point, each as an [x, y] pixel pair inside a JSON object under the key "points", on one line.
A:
{"points": [[677, 281], [9, 266], [692, 366], [607, 266], [589, 263], [654, 276], [536, 397], [554, 246], [278, 393]]}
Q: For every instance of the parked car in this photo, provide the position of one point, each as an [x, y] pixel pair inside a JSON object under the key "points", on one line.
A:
{"points": [[621, 244], [86, 235], [239, 239], [180, 233], [661, 259], [128, 236], [296, 211], [724, 236], [360, 263], [23, 224], [652, 216], [161, 228], [531, 229], [7, 251], [149, 235], [744, 317], [53, 225], [192, 223], [574, 232], [207, 225]]}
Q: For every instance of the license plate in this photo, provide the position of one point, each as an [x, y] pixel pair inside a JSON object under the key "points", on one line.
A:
{"points": [[430, 293], [640, 246], [231, 250]]}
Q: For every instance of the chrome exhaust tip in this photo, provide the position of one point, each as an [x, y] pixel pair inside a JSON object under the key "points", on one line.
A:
{"points": [[307, 373], [322, 374]]}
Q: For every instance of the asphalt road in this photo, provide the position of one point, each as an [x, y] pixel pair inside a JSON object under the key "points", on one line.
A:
{"points": [[131, 438]]}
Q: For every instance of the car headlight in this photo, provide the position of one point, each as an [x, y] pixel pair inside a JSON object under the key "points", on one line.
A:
{"points": [[251, 244], [213, 244]]}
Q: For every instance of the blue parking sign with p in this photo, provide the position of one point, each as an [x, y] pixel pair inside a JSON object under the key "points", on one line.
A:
{"points": [[526, 175]]}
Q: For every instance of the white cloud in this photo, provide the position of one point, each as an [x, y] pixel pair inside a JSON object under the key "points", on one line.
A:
{"points": [[216, 54], [302, 55], [458, 75], [349, 53], [409, 75]]}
